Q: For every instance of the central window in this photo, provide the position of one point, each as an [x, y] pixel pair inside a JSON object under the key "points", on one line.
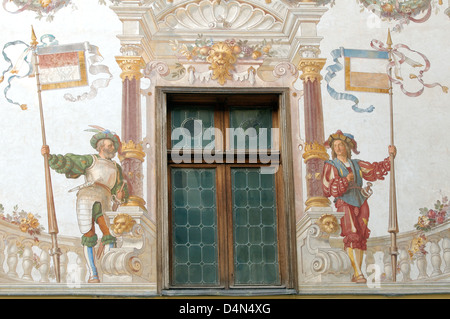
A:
{"points": [[226, 213]]}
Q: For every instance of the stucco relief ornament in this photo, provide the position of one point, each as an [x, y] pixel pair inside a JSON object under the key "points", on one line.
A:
{"points": [[222, 62], [221, 55]]}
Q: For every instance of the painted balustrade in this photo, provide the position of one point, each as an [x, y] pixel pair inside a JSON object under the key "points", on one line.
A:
{"points": [[431, 263], [322, 258], [26, 258]]}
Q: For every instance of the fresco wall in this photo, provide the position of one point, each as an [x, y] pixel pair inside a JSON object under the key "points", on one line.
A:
{"points": [[420, 122]]}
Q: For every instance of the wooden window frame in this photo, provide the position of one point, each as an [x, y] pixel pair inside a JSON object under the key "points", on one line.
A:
{"points": [[285, 214]]}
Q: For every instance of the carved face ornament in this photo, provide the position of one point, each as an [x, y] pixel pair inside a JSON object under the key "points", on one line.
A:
{"points": [[328, 223], [123, 223], [222, 62]]}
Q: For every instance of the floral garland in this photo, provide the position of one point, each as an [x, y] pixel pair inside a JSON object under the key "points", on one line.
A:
{"points": [[403, 11], [43, 8], [27, 222], [428, 219], [240, 48]]}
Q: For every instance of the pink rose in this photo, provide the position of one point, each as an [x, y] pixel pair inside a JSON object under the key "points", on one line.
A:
{"points": [[441, 217], [431, 214]]}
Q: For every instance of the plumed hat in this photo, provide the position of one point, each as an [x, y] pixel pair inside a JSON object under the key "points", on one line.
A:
{"points": [[347, 138], [101, 134]]}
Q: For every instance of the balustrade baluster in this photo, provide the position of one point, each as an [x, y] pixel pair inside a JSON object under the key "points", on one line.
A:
{"points": [[44, 266], [2, 252], [446, 253], [387, 264], [422, 266], [63, 265], [27, 260], [12, 258], [436, 260], [405, 264]]}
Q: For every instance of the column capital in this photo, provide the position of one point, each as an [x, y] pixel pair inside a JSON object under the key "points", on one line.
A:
{"points": [[310, 68], [131, 66], [131, 149], [315, 150]]}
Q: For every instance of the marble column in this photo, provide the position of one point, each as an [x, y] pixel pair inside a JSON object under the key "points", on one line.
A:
{"points": [[314, 152], [132, 155]]}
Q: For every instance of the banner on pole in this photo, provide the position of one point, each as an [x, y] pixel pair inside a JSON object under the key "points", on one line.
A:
{"points": [[364, 72], [60, 67]]}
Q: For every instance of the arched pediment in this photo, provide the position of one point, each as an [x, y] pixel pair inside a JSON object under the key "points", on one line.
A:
{"points": [[219, 15]]}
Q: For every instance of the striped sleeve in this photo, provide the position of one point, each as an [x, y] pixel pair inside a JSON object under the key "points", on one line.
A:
{"points": [[375, 171], [332, 183]]}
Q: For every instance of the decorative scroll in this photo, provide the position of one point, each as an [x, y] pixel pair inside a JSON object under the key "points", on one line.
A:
{"points": [[399, 58]]}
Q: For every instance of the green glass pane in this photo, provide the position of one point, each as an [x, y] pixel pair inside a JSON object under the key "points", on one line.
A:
{"points": [[188, 126], [241, 217], [207, 179], [209, 273], [208, 235], [194, 227], [254, 227], [207, 198], [194, 216], [251, 128], [180, 216], [208, 216]]}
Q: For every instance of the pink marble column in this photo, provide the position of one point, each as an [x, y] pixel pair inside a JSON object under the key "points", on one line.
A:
{"points": [[132, 155], [314, 152]]}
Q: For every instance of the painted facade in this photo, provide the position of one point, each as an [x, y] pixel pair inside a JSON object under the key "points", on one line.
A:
{"points": [[263, 222]]}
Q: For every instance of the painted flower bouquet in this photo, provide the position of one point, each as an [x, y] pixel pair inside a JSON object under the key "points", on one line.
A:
{"points": [[418, 246], [430, 218], [27, 222]]}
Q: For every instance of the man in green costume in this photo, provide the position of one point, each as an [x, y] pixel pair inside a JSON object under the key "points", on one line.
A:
{"points": [[104, 184]]}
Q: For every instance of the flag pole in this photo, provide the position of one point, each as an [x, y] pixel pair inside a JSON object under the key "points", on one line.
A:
{"points": [[393, 223], [52, 222]]}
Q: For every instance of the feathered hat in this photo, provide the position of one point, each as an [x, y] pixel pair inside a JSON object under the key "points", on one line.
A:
{"points": [[346, 137], [101, 134]]}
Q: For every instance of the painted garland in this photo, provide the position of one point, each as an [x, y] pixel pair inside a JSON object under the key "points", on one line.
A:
{"points": [[402, 11], [398, 9], [43, 8]]}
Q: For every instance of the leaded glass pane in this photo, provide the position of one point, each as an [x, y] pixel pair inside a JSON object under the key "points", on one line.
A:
{"points": [[251, 128], [188, 126], [254, 227], [194, 227]]}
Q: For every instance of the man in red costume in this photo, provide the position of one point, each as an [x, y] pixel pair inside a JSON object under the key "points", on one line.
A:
{"points": [[343, 179]]}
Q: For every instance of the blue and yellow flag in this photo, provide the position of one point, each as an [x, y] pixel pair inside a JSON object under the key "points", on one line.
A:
{"points": [[365, 71]]}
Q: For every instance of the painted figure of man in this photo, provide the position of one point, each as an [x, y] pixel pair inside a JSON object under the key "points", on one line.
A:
{"points": [[343, 179], [104, 183]]}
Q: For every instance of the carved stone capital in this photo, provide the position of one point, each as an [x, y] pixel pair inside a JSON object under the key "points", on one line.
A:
{"points": [[315, 150], [311, 68], [131, 66]]}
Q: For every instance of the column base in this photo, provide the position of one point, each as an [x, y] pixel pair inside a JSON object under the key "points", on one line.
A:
{"points": [[318, 201], [136, 201]]}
